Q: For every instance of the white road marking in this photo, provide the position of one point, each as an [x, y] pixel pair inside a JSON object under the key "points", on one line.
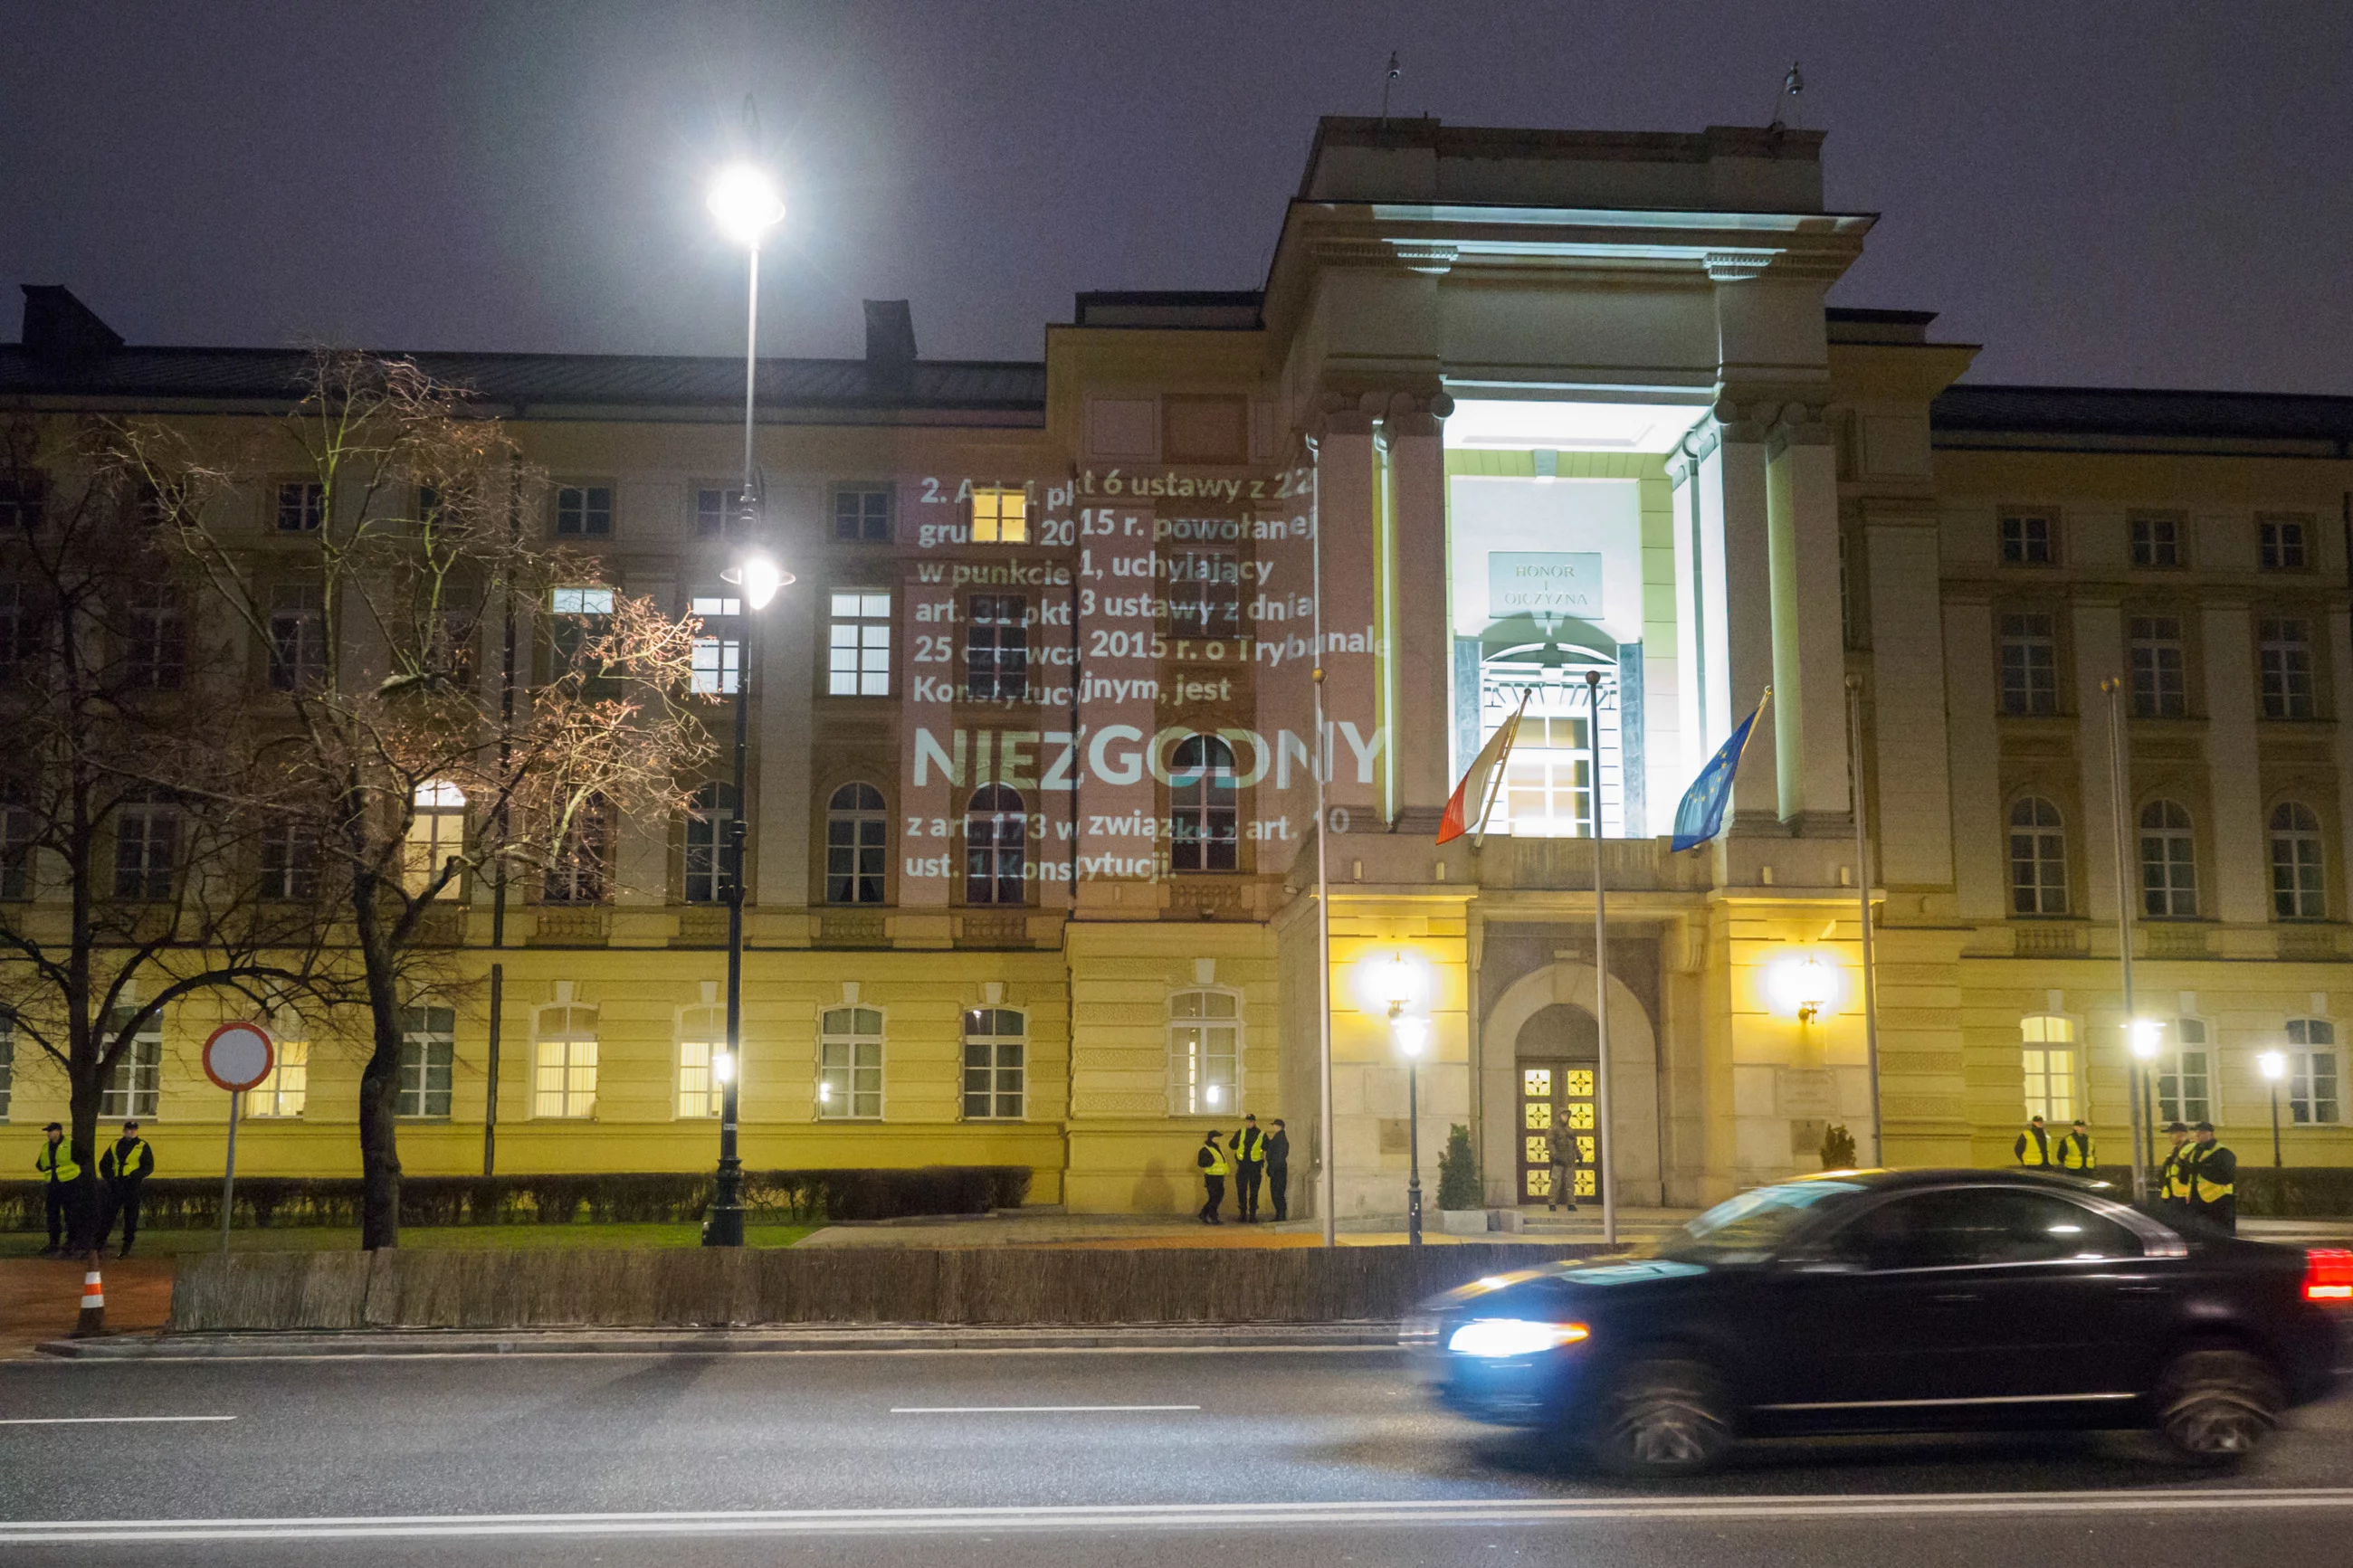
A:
{"points": [[99, 1420], [1184, 1516], [1022, 1409]]}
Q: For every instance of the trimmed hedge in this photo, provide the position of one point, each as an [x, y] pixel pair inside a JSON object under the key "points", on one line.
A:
{"points": [[798, 1197]]}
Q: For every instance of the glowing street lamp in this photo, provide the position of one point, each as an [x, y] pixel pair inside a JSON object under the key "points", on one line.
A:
{"points": [[1400, 987], [2274, 1068]]}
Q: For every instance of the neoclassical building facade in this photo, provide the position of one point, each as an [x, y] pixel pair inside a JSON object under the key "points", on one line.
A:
{"points": [[1034, 808]]}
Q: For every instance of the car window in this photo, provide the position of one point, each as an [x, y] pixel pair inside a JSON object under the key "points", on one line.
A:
{"points": [[1963, 1225], [1749, 1228]]}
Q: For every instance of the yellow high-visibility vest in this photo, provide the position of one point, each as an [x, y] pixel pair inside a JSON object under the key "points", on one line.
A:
{"points": [[1216, 1165], [2078, 1153], [2032, 1148], [57, 1161]]}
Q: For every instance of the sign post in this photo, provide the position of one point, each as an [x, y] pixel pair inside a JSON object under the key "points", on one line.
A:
{"points": [[237, 1057]]}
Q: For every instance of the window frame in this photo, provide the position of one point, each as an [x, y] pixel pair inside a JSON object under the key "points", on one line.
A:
{"points": [[993, 1041], [580, 873], [850, 1071], [155, 641], [717, 511], [711, 1037], [2054, 1038], [2287, 688], [2187, 1038], [864, 524], [436, 804], [589, 503], [1192, 1093], [2040, 835], [1204, 806], [298, 636], [140, 1098], [2302, 1054], [572, 1103], [2304, 896], [867, 645], [717, 656], [2151, 553], [2160, 685], [148, 882], [858, 815], [2015, 681], [717, 862], [298, 507], [285, 1094], [421, 1042], [996, 838], [2282, 541], [998, 514], [997, 648], [2174, 896], [292, 856], [2026, 542]]}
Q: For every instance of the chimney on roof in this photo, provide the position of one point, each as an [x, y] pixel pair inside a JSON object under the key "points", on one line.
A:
{"points": [[60, 329], [890, 348]]}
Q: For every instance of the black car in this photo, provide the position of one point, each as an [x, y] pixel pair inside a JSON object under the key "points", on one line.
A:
{"points": [[1888, 1301]]}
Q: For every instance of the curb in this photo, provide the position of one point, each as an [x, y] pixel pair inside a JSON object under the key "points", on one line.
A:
{"points": [[890, 1337]]}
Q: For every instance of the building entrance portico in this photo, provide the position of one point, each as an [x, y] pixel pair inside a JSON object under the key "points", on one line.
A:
{"points": [[1541, 1071]]}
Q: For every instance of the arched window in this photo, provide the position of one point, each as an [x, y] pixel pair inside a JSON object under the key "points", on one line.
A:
{"points": [[994, 1065], [2299, 887], [995, 847], [711, 858], [581, 872], [435, 832], [856, 845], [2169, 861], [1201, 827], [2038, 858], [1204, 1053]]}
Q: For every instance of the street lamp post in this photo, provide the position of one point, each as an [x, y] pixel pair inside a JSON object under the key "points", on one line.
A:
{"points": [[746, 206], [1411, 1035], [2275, 1067]]}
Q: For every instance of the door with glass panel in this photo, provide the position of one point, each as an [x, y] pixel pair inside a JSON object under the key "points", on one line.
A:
{"points": [[1558, 1097]]}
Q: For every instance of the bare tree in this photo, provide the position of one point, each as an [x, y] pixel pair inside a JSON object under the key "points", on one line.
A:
{"points": [[407, 546], [147, 852]]}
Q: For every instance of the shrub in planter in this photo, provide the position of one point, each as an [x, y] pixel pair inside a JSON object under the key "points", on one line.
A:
{"points": [[1457, 1172], [1838, 1148]]}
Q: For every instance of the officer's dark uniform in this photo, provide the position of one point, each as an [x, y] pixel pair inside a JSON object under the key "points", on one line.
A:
{"points": [[1278, 1173], [59, 1171], [1249, 1149], [2215, 1183], [1212, 1163], [124, 1167], [2032, 1148], [2173, 1177], [2077, 1151]]}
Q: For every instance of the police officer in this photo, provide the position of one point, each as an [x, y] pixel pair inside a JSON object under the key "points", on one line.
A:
{"points": [[2034, 1145], [2077, 1149], [2173, 1176], [1278, 1171], [1560, 1150], [59, 1171], [2213, 1180], [124, 1168], [1249, 1149], [1212, 1159]]}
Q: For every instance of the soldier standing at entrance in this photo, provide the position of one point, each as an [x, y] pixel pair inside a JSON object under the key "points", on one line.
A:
{"points": [[1562, 1149]]}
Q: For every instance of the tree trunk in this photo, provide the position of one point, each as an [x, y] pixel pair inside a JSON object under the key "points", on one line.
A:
{"points": [[380, 1098], [85, 1205]]}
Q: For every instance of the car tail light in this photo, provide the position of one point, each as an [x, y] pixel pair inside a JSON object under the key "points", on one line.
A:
{"points": [[2328, 1276]]}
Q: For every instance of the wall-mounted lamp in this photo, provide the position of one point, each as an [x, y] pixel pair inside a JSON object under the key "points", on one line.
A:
{"points": [[1804, 985]]}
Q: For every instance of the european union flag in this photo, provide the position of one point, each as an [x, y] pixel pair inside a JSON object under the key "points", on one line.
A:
{"points": [[1700, 816]]}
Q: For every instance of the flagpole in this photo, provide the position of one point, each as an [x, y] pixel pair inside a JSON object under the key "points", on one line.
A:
{"points": [[1328, 1173], [1603, 1140]]}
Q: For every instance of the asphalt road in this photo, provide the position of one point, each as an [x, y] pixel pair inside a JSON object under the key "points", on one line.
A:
{"points": [[1305, 1459]]}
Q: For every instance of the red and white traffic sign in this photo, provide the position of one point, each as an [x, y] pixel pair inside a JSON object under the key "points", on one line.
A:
{"points": [[238, 1055]]}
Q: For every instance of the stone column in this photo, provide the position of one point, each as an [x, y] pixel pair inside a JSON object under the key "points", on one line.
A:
{"points": [[1914, 824], [1420, 642], [1809, 658], [1736, 553]]}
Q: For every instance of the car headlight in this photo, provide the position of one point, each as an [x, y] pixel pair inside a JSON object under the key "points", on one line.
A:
{"points": [[1500, 1337]]}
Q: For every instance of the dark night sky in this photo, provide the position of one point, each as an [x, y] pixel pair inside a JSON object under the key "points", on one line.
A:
{"points": [[2104, 194]]}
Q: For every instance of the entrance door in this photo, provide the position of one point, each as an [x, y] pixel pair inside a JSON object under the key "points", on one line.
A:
{"points": [[1557, 1096]]}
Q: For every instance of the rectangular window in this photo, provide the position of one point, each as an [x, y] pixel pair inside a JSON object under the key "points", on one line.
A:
{"points": [[298, 638], [1204, 594], [859, 653], [156, 656], [18, 827], [2285, 658], [719, 647], [133, 1085], [993, 1071], [2029, 666], [2155, 543], [1001, 515], [2026, 539], [582, 869], [997, 648], [429, 1052], [7, 1062], [2311, 1076], [2280, 543], [584, 511], [287, 1088], [702, 1034], [146, 847], [2182, 1077], [290, 860], [564, 1078], [301, 505], [849, 1064], [2157, 690], [2050, 1084], [1204, 1053], [23, 500], [21, 630], [1548, 780], [862, 515], [718, 514], [578, 619]]}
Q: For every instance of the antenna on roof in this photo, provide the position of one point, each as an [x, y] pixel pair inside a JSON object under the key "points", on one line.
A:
{"points": [[1785, 105], [1387, 82]]}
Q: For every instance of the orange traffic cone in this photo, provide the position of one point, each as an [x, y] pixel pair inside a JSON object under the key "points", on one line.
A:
{"points": [[93, 1303]]}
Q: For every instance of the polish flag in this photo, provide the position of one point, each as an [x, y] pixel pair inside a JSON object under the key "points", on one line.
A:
{"points": [[1479, 779]]}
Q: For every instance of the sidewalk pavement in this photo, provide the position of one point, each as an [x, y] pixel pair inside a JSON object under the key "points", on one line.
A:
{"points": [[1021, 1228]]}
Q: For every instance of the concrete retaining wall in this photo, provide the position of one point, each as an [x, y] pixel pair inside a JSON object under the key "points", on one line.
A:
{"points": [[434, 1289]]}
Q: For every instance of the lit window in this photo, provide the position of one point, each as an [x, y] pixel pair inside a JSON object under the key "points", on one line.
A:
{"points": [[994, 1073], [2181, 1075], [2169, 861], [2029, 666], [701, 1035], [995, 835], [1205, 1034], [1548, 780], [133, 1085], [428, 1050], [298, 638], [2299, 886], [301, 506], [2026, 540], [2156, 667], [287, 1088], [718, 647], [1001, 515], [2038, 858], [2312, 1076], [2285, 654], [436, 833], [997, 648], [584, 511], [2155, 543], [2048, 1060], [849, 1063], [861, 515], [856, 845], [2279, 543], [858, 657], [564, 1082]]}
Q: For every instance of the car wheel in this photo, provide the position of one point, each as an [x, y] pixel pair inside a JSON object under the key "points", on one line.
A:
{"points": [[1662, 1419], [2217, 1406]]}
